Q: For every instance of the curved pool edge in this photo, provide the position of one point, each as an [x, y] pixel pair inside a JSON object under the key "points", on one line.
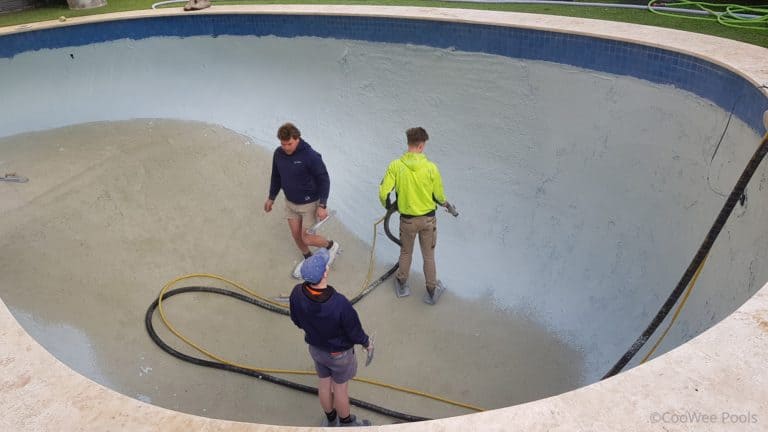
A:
{"points": [[717, 372], [730, 54]]}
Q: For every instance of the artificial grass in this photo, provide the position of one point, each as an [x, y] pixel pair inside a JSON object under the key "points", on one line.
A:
{"points": [[755, 37]]}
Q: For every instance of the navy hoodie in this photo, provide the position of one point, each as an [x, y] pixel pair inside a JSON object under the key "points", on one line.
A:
{"points": [[329, 321], [301, 175]]}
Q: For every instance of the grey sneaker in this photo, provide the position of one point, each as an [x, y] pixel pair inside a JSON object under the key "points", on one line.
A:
{"points": [[355, 422], [333, 251], [433, 299], [326, 423], [401, 288], [296, 274]]}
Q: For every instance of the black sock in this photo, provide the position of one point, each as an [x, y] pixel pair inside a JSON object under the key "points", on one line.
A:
{"points": [[347, 419], [330, 244], [308, 254], [331, 416]]}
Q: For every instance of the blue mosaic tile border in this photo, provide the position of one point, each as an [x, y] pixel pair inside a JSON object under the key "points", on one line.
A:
{"points": [[724, 88]]}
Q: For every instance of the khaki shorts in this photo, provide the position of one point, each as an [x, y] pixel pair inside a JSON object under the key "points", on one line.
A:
{"points": [[306, 212]]}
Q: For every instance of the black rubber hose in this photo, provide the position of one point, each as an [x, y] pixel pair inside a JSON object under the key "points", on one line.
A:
{"points": [[391, 208], [706, 246], [283, 311], [262, 376]]}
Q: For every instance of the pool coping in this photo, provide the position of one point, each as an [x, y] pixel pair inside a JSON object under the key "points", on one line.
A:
{"points": [[720, 371], [733, 55]]}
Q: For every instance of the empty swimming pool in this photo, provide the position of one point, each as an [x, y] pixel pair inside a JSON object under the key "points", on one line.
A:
{"points": [[586, 172]]}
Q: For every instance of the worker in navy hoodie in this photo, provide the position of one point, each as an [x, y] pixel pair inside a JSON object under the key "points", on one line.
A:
{"points": [[299, 171], [331, 329]]}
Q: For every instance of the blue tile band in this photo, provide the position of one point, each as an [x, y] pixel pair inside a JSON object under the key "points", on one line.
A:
{"points": [[705, 79]]}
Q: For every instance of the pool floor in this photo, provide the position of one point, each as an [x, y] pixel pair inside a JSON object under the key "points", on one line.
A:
{"points": [[113, 210]]}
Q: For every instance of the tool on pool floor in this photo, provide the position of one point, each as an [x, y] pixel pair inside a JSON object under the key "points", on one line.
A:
{"points": [[14, 178], [282, 298]]}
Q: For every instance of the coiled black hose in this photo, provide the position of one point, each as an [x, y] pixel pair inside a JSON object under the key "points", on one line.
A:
{"points": [[272, 308]]}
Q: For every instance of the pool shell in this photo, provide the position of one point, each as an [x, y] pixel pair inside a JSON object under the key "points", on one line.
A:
{"points": [[42, 397]]}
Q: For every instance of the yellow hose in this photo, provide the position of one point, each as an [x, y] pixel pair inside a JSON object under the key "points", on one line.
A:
{"points": [[242, 288], [677, 311], [372, 258], [695, 275]]}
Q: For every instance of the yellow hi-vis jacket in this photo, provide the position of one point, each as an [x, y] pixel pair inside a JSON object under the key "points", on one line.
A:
{"points": [[417, 183]]}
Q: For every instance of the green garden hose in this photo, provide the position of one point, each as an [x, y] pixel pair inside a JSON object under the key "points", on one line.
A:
{"points": [[731, 15]]}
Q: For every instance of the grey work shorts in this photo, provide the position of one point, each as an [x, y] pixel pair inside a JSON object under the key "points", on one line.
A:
{"points": [[341, 367]]}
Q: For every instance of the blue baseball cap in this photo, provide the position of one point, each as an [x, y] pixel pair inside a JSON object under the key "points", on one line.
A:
{"points": [[313, 268]]}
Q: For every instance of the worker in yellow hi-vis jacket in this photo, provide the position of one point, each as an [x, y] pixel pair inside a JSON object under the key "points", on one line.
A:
{"points": [[419, 189]]}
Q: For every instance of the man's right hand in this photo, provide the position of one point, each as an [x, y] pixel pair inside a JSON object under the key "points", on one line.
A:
{"points": [[268, 205], [450, 209]]}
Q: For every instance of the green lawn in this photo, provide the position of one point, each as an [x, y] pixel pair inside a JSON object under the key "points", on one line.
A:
{"points": [[756, 37]]}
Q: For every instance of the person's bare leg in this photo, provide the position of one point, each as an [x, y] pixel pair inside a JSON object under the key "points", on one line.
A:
{"points": [[296, 229], [314, 239], [326, 394], [341, 399], [309, 218]]}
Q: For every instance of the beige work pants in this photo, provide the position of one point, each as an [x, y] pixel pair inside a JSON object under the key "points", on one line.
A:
{"points": [[426, 228]]}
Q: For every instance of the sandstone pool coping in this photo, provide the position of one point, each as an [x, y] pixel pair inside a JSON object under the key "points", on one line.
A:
{"points": [[722, 371]]}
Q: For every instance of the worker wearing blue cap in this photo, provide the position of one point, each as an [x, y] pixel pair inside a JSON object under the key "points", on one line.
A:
{"points": [[331, 329]]}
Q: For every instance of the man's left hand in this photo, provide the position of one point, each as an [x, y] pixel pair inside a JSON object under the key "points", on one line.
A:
{"points": [[322, 213]]}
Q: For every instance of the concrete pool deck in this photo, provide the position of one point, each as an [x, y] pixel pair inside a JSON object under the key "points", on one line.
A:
{"points": [[720, 373]]}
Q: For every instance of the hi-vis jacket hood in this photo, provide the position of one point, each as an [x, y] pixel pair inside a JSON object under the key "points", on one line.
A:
{"points": [[417, 183]]}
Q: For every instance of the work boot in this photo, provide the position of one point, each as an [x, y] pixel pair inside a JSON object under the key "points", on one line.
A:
{"points": [[401, 288], [355, 422], [326, 423], [432, 298]]}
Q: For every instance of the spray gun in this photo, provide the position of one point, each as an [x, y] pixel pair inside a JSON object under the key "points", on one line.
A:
{"points": [[450, 208]]}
